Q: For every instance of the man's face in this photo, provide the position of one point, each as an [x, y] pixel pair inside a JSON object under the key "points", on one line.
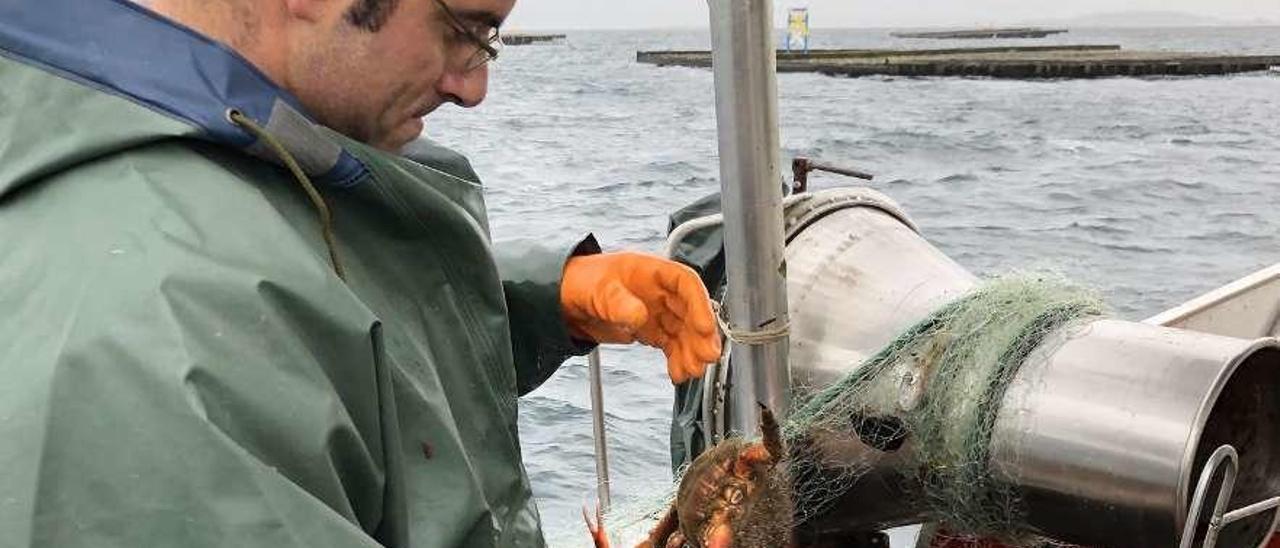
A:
{"points": [[376, 85]]}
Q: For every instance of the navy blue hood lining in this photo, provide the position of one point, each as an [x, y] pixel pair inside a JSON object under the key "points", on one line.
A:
{"points": [[126, 49]]}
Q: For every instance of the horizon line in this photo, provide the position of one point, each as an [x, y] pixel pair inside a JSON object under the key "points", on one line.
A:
{"points": [[1225, 25]]}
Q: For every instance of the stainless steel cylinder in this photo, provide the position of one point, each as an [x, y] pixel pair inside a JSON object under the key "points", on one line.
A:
{"points": [[859, 274], [1101, 433], [1106, 426]]}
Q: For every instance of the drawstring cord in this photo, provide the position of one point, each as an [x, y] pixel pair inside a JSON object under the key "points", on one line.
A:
{"points": [[326, 216]]}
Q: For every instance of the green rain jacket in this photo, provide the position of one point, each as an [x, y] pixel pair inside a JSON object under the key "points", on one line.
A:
{"points": [[179, 364]]}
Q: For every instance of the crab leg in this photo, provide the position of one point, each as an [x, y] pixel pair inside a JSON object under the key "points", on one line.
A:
{"points": [[753, 455], [662, 533], [719, 534], [772, 434], [596, 527]]}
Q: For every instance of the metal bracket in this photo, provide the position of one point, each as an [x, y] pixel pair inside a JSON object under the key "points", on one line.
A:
{"points": [[801, 166], [1223, 456], [715, 395]]}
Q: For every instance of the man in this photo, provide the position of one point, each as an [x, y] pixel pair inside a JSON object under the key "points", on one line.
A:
{"points": [[242, 306]]}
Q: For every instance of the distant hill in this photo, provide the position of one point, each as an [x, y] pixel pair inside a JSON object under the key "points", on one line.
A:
{"points": [[1146, 19]]}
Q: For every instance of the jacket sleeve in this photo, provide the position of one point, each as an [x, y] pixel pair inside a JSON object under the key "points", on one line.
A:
{"points": [[531, 274]]}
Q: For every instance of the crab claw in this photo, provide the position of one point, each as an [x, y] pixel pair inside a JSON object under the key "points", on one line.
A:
{"points": [[596, 527]]}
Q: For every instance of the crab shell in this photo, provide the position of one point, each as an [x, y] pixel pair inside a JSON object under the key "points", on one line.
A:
{"points": [[736, 496]]}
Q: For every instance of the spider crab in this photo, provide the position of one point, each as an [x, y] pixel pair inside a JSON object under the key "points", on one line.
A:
{"points": [[733, 496]]}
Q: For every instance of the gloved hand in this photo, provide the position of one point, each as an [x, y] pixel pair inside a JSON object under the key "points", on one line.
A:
{"points": [[626, 297]]}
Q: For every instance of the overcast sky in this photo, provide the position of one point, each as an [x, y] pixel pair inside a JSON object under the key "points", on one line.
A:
{"points": [[639, 14]]}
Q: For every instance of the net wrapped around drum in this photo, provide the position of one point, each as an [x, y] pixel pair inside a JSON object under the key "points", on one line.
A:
{"points": [[929, 400]]}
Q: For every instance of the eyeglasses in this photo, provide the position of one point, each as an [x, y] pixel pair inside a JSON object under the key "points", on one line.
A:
{"points": [[487, 42]]}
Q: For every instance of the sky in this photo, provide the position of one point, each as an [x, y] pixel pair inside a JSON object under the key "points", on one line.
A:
{"points": [[644, 14]]}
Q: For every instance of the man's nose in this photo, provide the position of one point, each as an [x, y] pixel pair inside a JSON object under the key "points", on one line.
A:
{"points": [[466, 88]]}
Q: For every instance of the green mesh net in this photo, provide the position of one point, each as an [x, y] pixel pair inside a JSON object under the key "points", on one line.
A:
{"points": [[937, 387], [929, 402]]}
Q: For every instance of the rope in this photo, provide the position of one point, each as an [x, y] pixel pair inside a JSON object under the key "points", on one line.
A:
{"points": [[326, 216], [750, 337]]}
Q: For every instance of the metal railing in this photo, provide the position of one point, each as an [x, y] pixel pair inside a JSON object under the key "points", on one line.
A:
{"points": [[1223, 456]]}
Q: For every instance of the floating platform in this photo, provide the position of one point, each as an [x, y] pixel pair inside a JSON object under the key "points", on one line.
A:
{"points": [[981, 34], [1026, 62], [524, 39]]}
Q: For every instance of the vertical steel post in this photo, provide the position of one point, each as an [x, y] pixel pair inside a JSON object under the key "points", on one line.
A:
{"points": [[597, 426], [744, 63]]}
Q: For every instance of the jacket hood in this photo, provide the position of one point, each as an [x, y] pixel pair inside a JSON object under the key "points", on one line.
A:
{"points": [[80, 80]]}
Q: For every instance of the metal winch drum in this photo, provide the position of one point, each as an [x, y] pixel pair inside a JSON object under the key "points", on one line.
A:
{"points": [[1103, 434]]}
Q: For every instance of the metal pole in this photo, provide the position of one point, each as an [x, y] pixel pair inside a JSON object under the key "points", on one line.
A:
{"points": [[744, 63], [597, 427], [1250, 510]]}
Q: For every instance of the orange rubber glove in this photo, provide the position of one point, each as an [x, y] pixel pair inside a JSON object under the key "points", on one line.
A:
{"points": [[626, 297]]}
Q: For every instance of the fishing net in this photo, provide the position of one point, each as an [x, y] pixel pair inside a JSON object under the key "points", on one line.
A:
{"points": [[928, 401]]}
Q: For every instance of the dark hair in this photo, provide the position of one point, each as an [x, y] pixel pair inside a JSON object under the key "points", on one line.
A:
{"points": [[370, 15]]}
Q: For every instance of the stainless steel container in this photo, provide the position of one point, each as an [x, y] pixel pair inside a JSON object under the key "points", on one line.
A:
{"points": [[857, 275], [1106, 427], [1103, 430]]}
